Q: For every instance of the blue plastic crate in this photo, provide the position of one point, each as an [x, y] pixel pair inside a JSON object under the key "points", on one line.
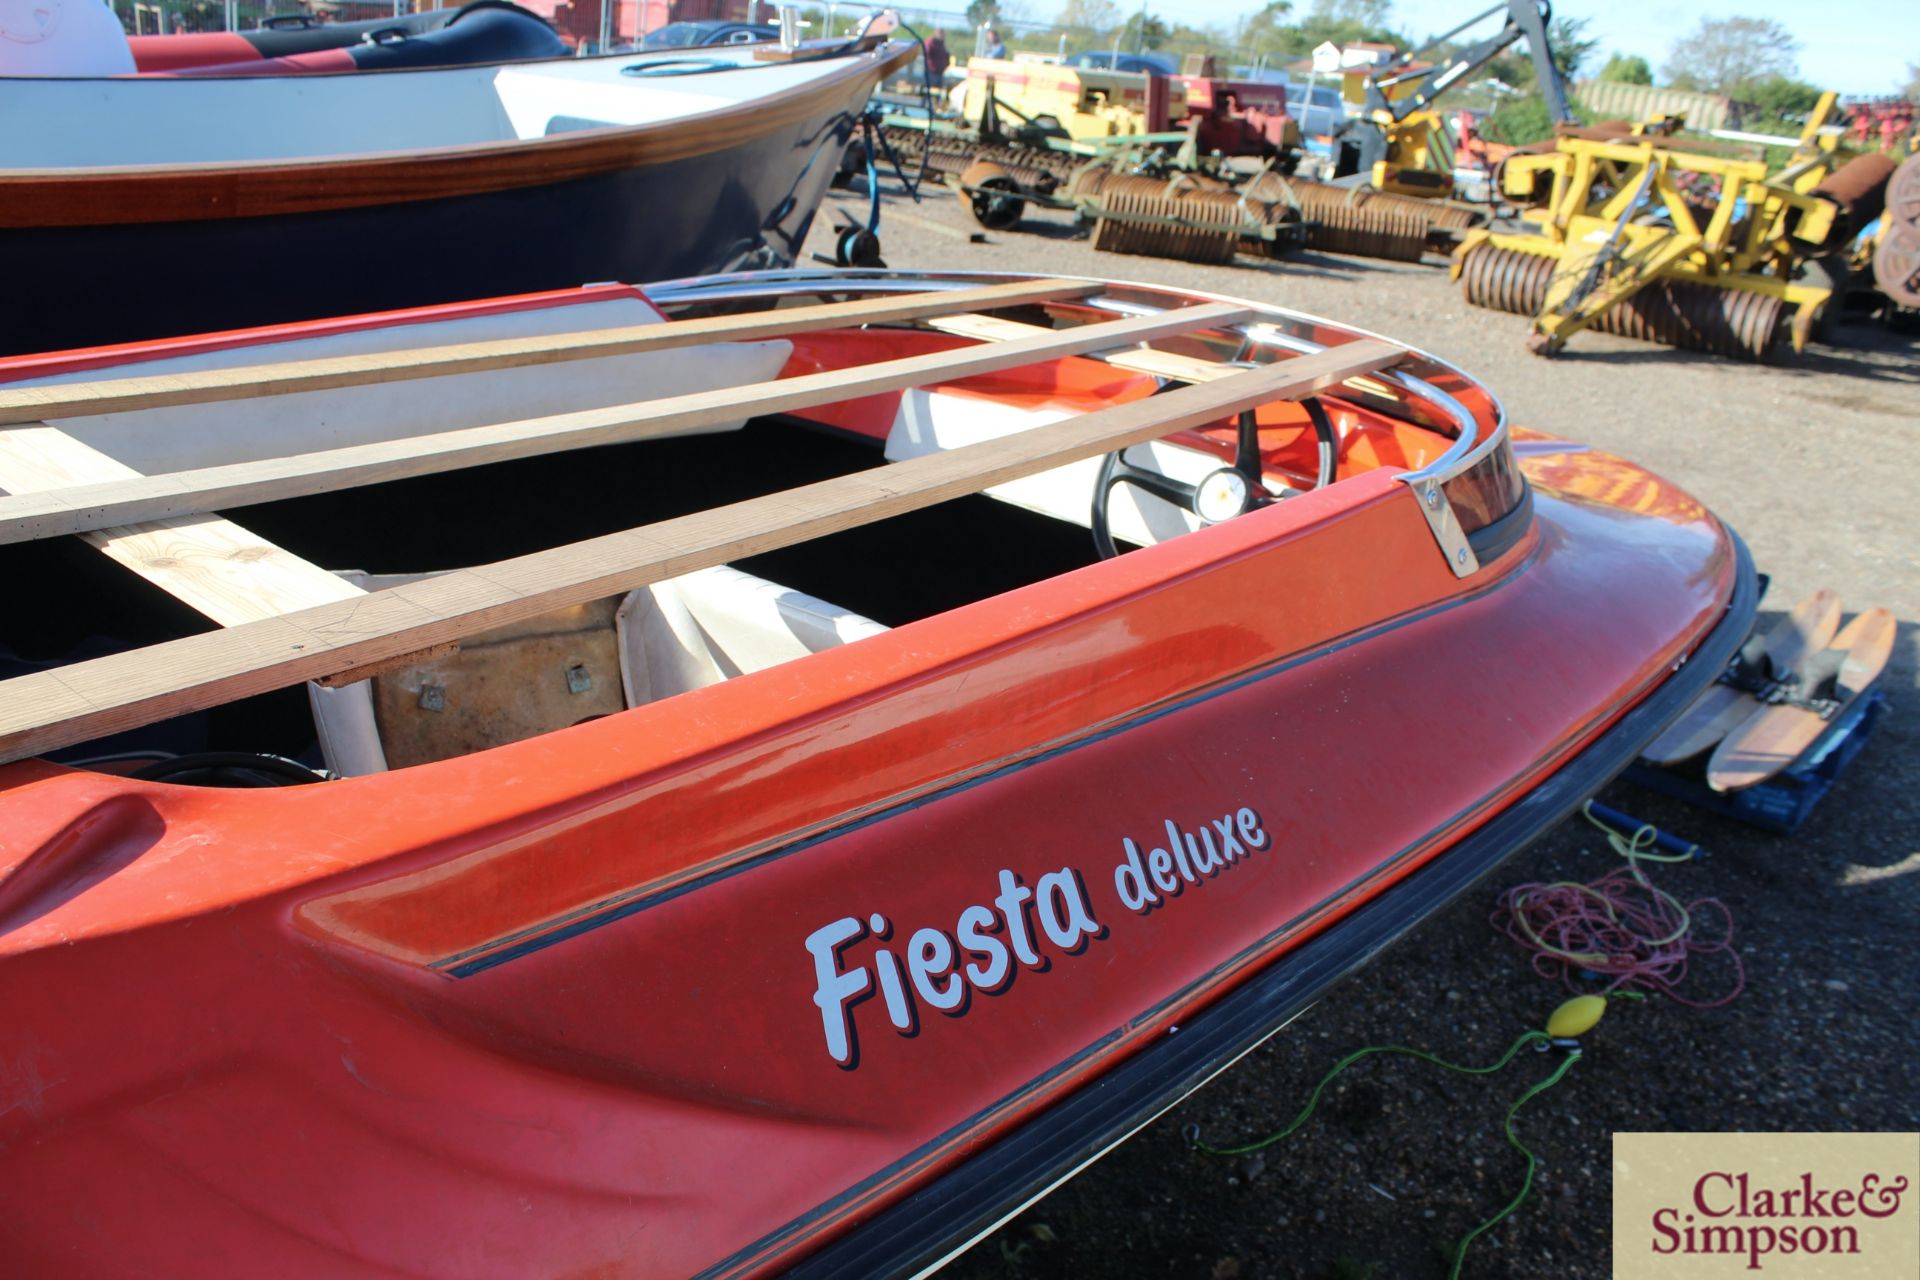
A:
{"points": [[1784, 801]]}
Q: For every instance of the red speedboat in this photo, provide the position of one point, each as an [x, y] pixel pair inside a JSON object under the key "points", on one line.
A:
{"points": [[491, 31], [940, 723]]}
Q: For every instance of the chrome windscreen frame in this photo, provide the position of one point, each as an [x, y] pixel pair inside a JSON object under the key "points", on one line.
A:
{"points": [[1477, 449]]}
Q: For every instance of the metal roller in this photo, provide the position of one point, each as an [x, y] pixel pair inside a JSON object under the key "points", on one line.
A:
{"points": [[1363, 233], [1121, 228], [1033, 168], [1312, 196], [1697, 317], [1694, 317], [1506, 280], [1098, 179], [1896, 260], [1142, 215]]}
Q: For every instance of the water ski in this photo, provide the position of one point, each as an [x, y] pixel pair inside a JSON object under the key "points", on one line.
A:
{"points": [[1794, 639], [1774, 737]]}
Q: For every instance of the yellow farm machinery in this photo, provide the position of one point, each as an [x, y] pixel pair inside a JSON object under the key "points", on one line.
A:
{"points": [[1640, 235], [1397, 140], [1175, 202], [1146, 204], [1146, 160]]}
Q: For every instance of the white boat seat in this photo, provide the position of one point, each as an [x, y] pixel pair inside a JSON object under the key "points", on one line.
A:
{"points": [[671, 637], [705, 627]]}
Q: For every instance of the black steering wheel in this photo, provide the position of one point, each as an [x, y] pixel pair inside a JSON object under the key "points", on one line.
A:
{"points": [[1220, 495]]}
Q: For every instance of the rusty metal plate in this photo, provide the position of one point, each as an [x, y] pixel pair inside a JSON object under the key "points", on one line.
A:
{"points": [[513, 682]]}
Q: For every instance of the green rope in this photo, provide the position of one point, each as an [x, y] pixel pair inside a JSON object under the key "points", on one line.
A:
{"points": [[1531, 1037], [1640, 847], [1526, 1185]]}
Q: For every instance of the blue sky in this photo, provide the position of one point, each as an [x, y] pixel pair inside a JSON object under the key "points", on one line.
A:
{"points": [[1855, 46]]}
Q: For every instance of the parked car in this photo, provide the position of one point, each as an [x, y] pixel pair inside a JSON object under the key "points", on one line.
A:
{"points": [[1105, 59], [688, 35], [1319, 108]]}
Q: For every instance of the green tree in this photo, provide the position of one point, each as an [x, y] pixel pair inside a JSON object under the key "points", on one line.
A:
{"points": [[1627, 68], [1912, 91], [1570, 44], [1090, 15], [981, 13], [1142, 32], [1524, 120], [1725, 55], [1257, 33], [1781, 104], [1341, 22], [1359, 13]]}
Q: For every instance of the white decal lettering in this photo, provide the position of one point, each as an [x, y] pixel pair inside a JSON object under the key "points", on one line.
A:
{"points": [[930, 956], [1060, 893], [1130, 882], [833, 988], [899, 1011], [1160, 866], [1250, 830], [988, 944], [1012, 902]]}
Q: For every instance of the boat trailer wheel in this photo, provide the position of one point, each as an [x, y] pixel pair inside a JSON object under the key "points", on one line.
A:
{"points": [[856, 246], [1219, 496], [993, 196]]}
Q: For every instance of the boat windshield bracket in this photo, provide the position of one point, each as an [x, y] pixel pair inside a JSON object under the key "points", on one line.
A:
{"points": [[1429, 483], [1446, 527]]}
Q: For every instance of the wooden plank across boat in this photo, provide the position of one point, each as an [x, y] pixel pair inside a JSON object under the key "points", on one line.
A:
{"points": [[671, 782], [149, 206]]}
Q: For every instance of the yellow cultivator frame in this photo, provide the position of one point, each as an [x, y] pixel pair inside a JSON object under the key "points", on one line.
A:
{"points": [[1639, 236]]}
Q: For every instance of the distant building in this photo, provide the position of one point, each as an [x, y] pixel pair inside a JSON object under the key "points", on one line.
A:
{"points": [[1367, 53]]}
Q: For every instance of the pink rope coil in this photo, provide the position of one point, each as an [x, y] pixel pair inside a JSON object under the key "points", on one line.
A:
{"points": [[1619, 929]]}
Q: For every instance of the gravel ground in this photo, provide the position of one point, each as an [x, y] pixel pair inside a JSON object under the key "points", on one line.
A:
{"points": [[1807, 460]]}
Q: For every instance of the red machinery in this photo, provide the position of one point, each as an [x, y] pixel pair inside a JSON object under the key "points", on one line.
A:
{"points": [[1239, 117]]}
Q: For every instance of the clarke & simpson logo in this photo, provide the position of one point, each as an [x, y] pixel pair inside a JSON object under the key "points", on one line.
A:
{"points": [[1786, 1205]]}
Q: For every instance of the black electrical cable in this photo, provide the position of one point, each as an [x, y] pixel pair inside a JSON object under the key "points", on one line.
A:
{"points": [[230, 769]]}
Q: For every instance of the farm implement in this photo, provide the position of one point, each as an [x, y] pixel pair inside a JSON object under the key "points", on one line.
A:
{"points": [[1641, 236]]}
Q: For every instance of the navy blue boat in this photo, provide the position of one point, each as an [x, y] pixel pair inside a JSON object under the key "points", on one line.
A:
{"points": [[143, 207]]}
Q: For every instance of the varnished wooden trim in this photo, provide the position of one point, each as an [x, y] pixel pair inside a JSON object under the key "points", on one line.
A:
{"points": [[138, 194]]}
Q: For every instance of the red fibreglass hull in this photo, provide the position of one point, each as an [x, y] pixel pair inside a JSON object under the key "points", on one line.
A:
{"points": [[569, 1006]]}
